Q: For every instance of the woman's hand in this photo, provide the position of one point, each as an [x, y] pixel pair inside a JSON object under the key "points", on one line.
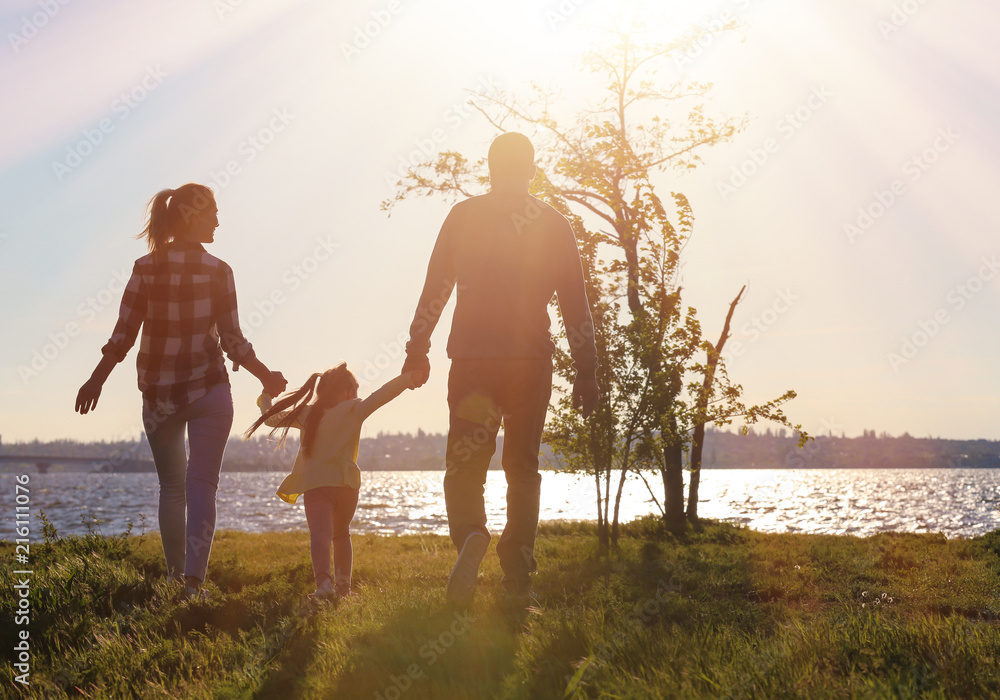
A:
{"points": [[274, 384], [86, 398]]}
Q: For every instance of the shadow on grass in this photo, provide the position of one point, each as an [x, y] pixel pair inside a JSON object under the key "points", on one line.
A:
{"points": [[421, 651]]}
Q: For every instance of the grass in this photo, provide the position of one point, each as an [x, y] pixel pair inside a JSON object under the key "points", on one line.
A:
{"points": [[725, 612]]}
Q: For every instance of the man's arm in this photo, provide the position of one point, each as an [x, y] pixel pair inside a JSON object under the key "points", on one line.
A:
{"points": [[571, 293], [437, 290]]}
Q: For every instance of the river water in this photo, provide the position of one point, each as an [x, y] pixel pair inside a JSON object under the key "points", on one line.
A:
{"points": [[956, 502]]}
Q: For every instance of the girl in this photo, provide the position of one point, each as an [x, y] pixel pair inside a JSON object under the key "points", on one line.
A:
{"points": [[185, 302], [327, 411]]}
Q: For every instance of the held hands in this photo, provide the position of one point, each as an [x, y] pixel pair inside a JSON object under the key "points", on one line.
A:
{"points": [[586, 393], [274, 384], [86, 398], [420, 366]]}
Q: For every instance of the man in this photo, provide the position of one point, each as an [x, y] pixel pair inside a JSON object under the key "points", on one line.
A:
{"points": [[508, 253]]}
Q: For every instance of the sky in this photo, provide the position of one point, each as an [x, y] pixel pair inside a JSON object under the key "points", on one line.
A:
{"points": [[858, 206]]}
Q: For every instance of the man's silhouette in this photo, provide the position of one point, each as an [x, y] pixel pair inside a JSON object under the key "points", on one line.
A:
{"points": [[508, 253]]}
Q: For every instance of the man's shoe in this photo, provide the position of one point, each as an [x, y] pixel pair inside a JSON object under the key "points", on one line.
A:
{"points": [[462, 581], [521, 597]]}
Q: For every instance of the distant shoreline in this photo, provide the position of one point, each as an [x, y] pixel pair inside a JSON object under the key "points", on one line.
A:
{"points": [[28, 467], [426, 452]]}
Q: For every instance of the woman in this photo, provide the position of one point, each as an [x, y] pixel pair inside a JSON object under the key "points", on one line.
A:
{"points": [[185, 302]]}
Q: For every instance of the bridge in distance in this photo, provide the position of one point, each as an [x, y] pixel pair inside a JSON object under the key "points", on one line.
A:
{"points": [[43, 464]]}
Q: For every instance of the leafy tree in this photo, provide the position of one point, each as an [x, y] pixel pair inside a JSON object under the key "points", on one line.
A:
{"points": [[597, 170]]}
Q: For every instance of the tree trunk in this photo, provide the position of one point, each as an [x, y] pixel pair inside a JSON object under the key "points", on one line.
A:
{"points": [[698, 441], [602, 525], [621, 485], [673, 482]]}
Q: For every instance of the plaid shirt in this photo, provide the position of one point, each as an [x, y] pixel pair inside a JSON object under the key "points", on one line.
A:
{"points": [[185, 302]]}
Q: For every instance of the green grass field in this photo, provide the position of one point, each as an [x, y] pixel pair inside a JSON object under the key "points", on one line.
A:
{"points": [[726, 612]]}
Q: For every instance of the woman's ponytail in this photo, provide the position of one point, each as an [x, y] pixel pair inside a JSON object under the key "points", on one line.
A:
{"points": [[157, 231], [170, 210]]}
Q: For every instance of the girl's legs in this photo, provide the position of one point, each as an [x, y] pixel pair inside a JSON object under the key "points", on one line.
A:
{"points": [[319, 516], [209, 420], [166, 441], [345, 502], [329, 512]]}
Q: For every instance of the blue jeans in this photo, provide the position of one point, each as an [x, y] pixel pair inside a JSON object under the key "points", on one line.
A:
{"points": [[188, 483]]}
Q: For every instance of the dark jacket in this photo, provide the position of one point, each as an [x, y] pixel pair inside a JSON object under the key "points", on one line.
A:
{"points": [[507, 254]]}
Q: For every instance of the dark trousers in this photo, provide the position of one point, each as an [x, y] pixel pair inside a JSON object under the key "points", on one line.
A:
{"points": [[481, 394]]}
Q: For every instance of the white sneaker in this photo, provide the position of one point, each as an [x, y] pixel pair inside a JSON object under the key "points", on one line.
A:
{"points": [[323, 592], [195, 595], [462, 581]]}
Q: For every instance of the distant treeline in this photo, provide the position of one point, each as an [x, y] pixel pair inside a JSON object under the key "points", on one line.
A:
{"points": [[385, 452], [405, 451], [731, 450]]}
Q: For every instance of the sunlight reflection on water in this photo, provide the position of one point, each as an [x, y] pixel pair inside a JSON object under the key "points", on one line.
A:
{"points": [[955, 502]]}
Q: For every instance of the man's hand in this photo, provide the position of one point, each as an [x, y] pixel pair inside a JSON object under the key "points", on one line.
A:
{"points": [[421, 368], [586, 393], [86, 398], [275, 384]]}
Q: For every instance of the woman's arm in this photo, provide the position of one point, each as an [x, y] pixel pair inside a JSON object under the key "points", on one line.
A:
{"points": [[90, 392], [131, 314], [233, 342], [273, 382], [386, 393]]}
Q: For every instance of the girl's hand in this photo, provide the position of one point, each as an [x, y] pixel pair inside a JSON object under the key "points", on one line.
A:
{"points": [[412, 380], [86, 398]]}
